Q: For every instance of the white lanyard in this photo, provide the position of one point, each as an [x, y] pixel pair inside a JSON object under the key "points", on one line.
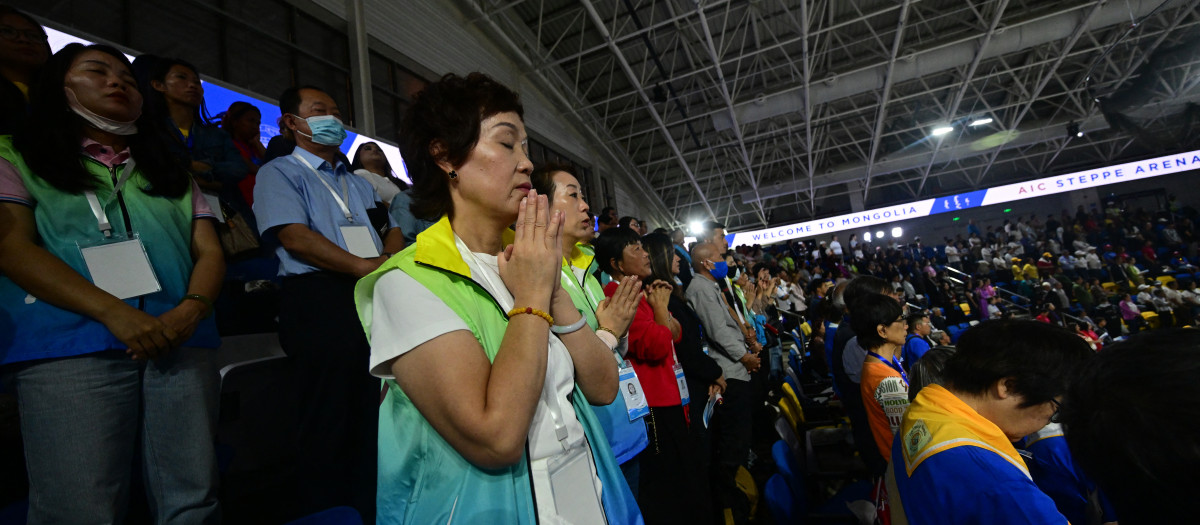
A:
{"points": [[98, 208], [340, 201], [560, 425]]}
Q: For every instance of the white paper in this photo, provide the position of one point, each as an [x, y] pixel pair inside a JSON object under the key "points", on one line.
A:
{"points": [[708, 408], [359, 241], [121, 268]]}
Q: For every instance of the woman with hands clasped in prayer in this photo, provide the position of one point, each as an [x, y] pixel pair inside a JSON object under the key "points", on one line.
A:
{"points": [[666, 463], [489, 364], [623, 419]]}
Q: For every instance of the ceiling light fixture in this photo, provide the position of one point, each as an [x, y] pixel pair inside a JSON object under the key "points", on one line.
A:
{"points": [[941, 130], [697, 227], [980, 122], [1074, 131]]}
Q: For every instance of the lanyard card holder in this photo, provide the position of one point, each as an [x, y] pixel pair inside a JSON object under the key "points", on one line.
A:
{"points": [[359, 241], [214, 202], [119, 265], [631, 390], [680, 380], [572, 486]]}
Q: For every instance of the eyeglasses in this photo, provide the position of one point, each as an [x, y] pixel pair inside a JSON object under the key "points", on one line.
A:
{"points": [[1056, 417], [12, 33]]}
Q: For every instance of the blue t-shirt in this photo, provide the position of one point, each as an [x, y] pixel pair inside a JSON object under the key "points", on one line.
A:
{"points": [[915, 347]]}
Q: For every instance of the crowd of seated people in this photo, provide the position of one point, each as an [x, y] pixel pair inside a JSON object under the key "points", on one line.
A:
{"points": [[469, 349]]}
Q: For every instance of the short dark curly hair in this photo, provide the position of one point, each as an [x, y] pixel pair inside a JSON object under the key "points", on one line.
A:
{"points": [[446, 115]]}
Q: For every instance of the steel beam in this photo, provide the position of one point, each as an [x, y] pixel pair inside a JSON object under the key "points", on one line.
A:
{"points": [[598, 23], [881, 113]]}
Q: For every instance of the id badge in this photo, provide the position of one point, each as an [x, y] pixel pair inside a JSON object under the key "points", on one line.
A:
{"points": [[704, 347], [119, 265], [214, 202], [631, 390], [682, 382], [359, 242], [574, 493]]}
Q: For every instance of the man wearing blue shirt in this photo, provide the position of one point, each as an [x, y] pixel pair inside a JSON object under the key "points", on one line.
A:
{"points": [[314, 211], [917, 342]]}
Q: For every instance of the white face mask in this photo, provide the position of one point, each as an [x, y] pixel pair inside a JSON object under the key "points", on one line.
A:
{"points": [[99, 122]]}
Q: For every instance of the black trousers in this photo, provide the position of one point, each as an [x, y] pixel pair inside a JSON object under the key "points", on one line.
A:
{"points": [[731, 433], [702, 453], [667, 483], [338, 399]]}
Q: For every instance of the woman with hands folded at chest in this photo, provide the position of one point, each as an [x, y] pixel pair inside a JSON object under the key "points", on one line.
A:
{"points": [[623, 420], [704, 380], [665, 478], [106, 286], [489, 364]]}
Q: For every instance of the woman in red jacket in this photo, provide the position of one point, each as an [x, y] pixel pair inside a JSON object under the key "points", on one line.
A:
{"points": [[663, 483]]}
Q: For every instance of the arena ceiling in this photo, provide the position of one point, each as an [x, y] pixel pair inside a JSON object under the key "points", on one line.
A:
{"points": [[764, 112]]}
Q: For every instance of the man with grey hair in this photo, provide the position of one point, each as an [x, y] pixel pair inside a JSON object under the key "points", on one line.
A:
{"points": [[738, 357]]}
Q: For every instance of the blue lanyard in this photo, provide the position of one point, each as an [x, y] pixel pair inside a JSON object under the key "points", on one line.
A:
{"points": [[891, 363]]}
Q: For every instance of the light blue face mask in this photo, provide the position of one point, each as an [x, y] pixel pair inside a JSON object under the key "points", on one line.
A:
{"points": [[327, 130]]}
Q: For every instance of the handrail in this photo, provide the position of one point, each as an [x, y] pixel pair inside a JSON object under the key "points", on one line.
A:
{"points": [[956, 270], [1010, 292], [1015, 305], [1076, 319]]}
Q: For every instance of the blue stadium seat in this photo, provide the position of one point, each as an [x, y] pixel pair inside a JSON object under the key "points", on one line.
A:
{"points": [[789, 468], [780, 501], [954, 332]]}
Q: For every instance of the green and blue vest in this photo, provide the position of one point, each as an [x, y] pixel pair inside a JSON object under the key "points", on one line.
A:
{"points": [[35, 329], [421, 478]]}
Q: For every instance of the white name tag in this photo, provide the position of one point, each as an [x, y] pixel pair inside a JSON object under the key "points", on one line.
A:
{"points": [[574, 492], [214, 202], [121, 268], [359, 241], [684, 397], [631, 391]]}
